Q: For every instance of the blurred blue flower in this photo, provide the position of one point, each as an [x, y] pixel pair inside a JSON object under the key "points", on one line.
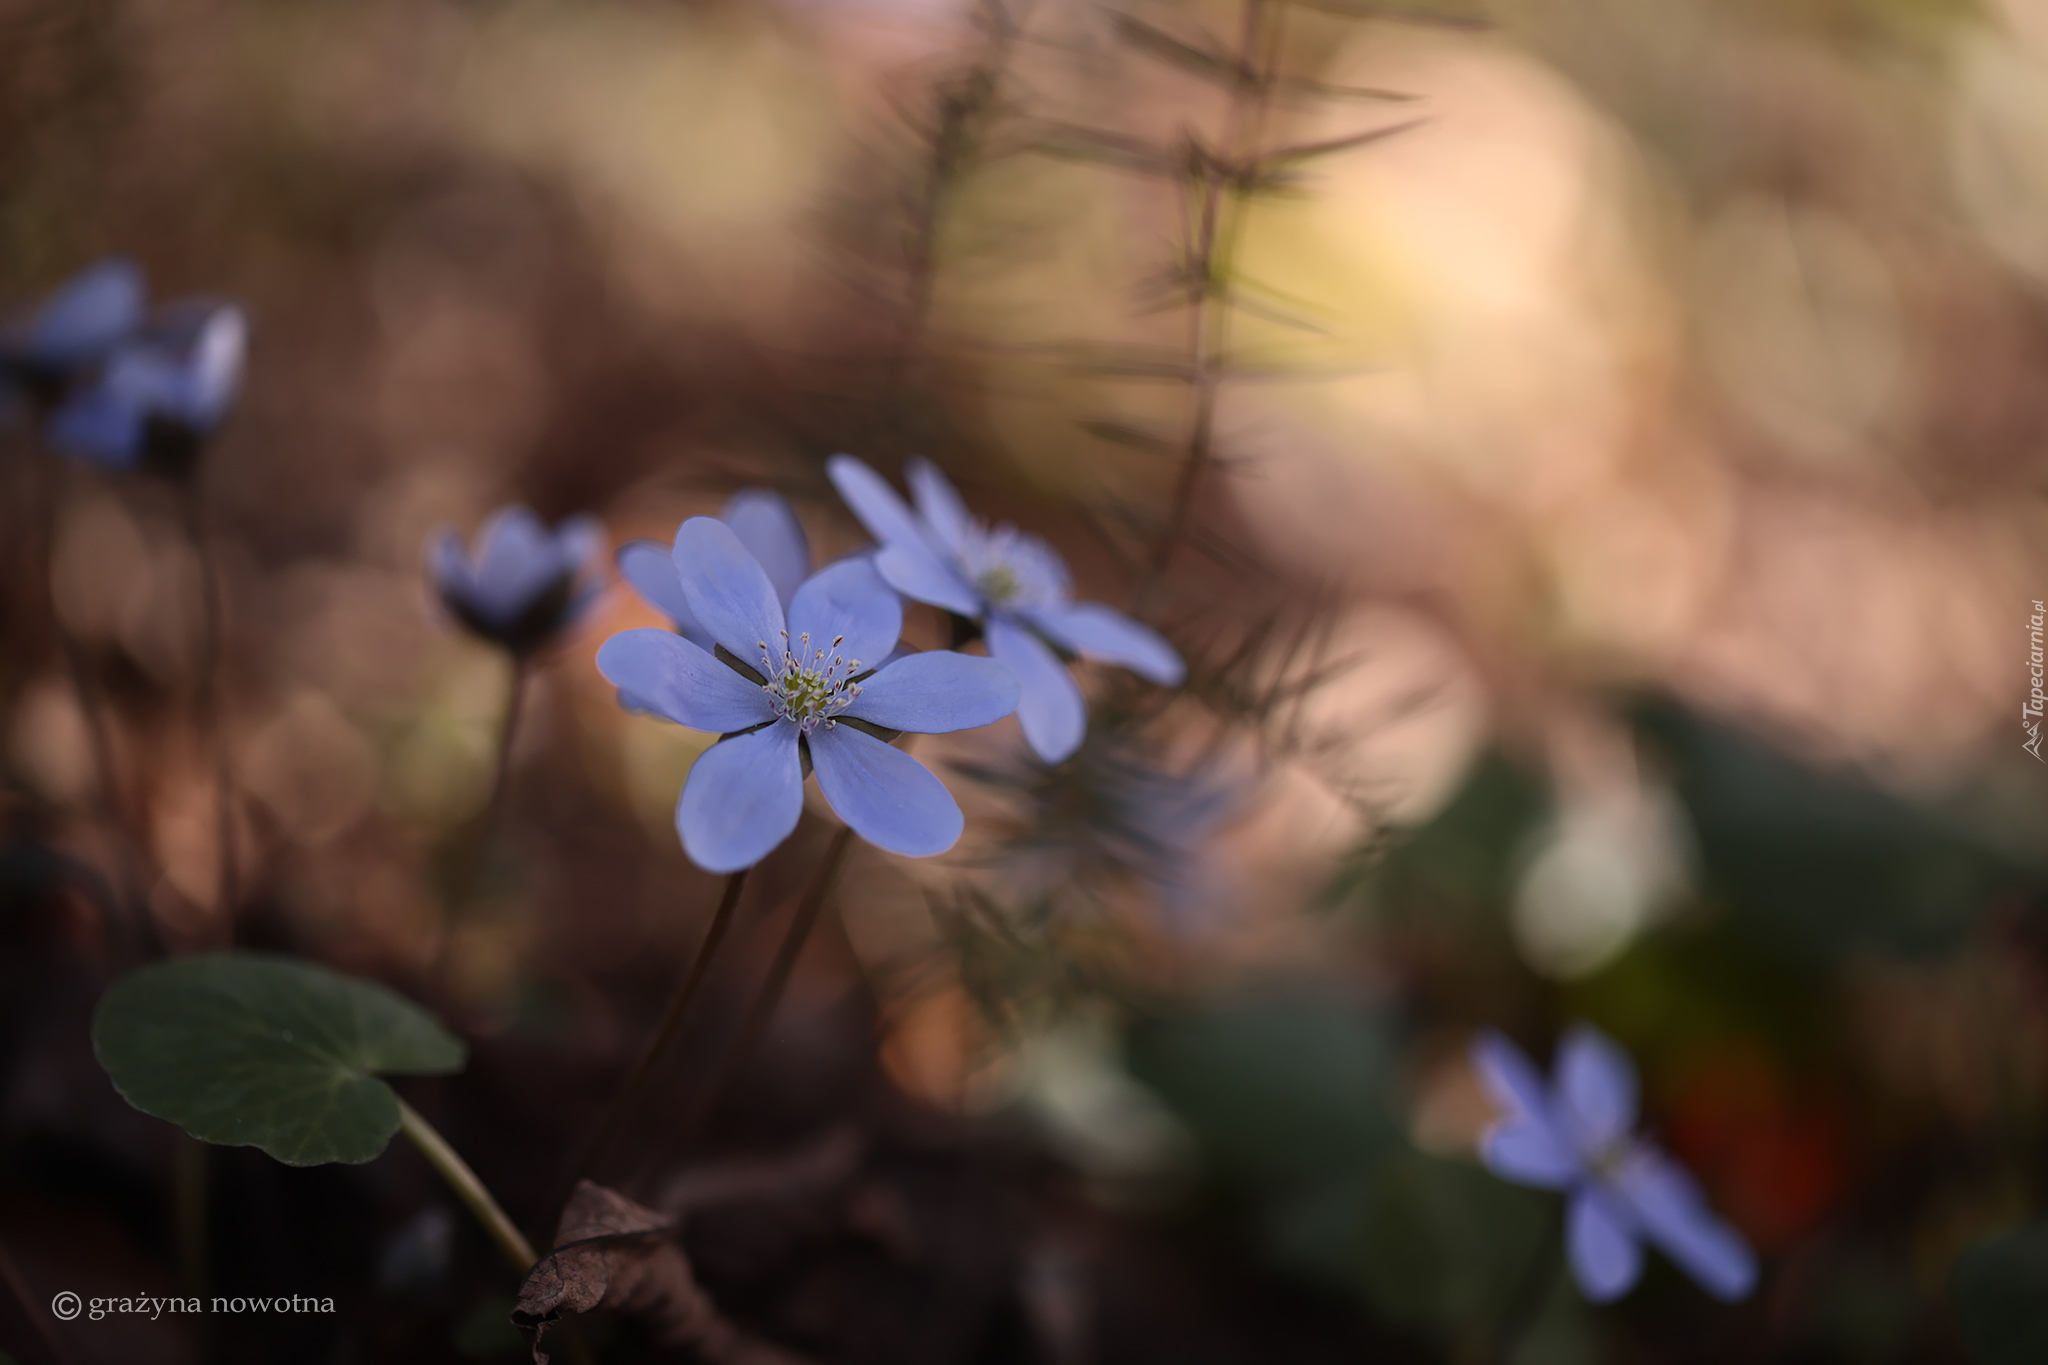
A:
{"points": [[524, 585], [1013, 583], [745, 793], [45, 351], [160, 395], [1579, 1137], [767, 529]]}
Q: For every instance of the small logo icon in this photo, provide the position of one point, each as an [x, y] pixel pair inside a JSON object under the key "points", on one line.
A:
{"points": [[66, 1305]]}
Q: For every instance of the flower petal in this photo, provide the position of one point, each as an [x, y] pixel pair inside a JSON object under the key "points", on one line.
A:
{"points": [[516, 562], [743, 797], [1510, 1078], [99, 427], [1606, 1258], [938, 691], [766, 524], [727, 589], [850, 600], [1528, 1151], [1675, 1215], [917, 573], [1105, 633], [1050, 706], [92, 311], [213, 371], [580, 541], [1596, 1084], [938, 503], [910, 556], [887, 517], [670, 676], [651, 569], [889, 798]]}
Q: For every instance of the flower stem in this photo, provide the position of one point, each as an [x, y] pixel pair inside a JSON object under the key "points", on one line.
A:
{"points": [[131, 859], [664, 1034], [463, 883], [467, 1187], [1532, 1290], [762, 1010], [211, 707]]}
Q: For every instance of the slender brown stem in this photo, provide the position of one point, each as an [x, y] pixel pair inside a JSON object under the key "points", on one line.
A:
{"points": [[131, 860], [594, 1147], [462, 885], [211, 705], [1212, 242], [769, 997]]}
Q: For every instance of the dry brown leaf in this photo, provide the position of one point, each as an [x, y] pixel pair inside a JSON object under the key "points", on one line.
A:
{"points": [[613, 1253]]}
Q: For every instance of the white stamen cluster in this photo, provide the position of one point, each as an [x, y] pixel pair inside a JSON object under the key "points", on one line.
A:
{"points": [[809, 687], [1011, 568]]}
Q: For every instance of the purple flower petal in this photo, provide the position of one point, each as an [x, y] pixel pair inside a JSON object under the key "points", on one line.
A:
{"points": [[887, 517], [743, 797], [1675, 1215], [910, 557], [98, 427], [766, 524], [938, 503], [1601, 1245], [671, 677], [1510, 1078], [1050, 706], [917, 573], [651, 569], [889, 798], [517, 561], [91, 312], [849, 600], [446, 564], [580, 541], [727, 589], [936, 692], [1101, 632], [1596, 1084], [213, 370], [1528, 1151]]}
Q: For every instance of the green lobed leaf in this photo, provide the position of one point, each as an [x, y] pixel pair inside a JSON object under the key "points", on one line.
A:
{"points": [[258, 1050]]}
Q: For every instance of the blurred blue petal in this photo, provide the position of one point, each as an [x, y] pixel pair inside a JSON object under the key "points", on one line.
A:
{"points": [[766, 524], [1597, 1083], [1050, 706], [1529, 1151], [1605, 1257], [1510, 1078], [937, 692], [849, 600], [91, 313], [671, 677], [889, 798], [917, 573], [728, 591], [517, 560], [939, 504], [742, 798], [1100, 632], [96, 426], [887, 517], [650, 567], [1675, 1215]]}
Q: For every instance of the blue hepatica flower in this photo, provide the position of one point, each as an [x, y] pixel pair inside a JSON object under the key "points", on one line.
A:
{"points": [[766, 527], [809, 695], [72, 332], [161, 395], [1578, 1137], [1013, 583], [524, 585]]}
